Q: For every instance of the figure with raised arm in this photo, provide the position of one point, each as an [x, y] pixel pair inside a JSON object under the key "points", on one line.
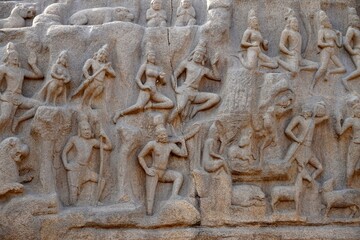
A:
{"points": [[290, 46], [253, 42], [328, 40], [188, 92], [11, 99], [352, 45], [149, 96]]}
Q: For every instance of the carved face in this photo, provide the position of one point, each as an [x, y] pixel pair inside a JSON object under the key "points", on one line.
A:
{"points": [[156, 5], [162, 136], [294, 24], [326, 23], [186, 4], [102, 56], [254, 23], [356, 112], [13, 59], [306, 113], [85, 130], [18, 150], [63, 59], [198, 57], [151, 57]]}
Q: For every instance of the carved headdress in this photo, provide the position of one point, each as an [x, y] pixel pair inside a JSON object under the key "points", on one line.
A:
{"points": [[353, 18], [323, 17], [149, 49], [10, 50], [201, 47], [251, 16]]}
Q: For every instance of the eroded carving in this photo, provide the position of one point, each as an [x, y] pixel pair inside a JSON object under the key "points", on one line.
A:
{"points": [[18, 15], [185, 15], [155, 15]]}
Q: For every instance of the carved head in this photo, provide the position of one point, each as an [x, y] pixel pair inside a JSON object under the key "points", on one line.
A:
{"points": [[102, 54], [156, 4], [63, 58], [161, 134], [294, 24], [353, 18], [253, 21], [306, 110], [356, 110], [11, 56], [123, 14], [85, 130], [324, 20], [320, 109], [150, 54], [17, 149], [186, 4], [25, 11], [199, 54]]}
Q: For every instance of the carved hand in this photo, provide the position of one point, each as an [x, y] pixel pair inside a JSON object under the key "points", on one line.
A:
{"points": [[32, 58], [150, 171]]}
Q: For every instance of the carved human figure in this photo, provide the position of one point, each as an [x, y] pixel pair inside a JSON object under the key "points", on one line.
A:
{"points": [[78, 171], [188, 92], [60, 76], [149, 96], [95, 71], [155, 15], [352, 45], [300, 150], [185, 15], [242, 152], [212, 160], [353, 154], [12, 97], [290, 45], [328, 39], [253, 42], [161, 150]]}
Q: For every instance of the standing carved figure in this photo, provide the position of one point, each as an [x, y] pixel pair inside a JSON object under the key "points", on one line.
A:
{"points": [[60, 76], [352, 45], [12, 97], [95, 71], [149, 96], [155, 16], [328, 39], [78, 170], [185, 15], [253, 42], [300, 150], [353, 154], [188, 92], [290, 45], [161, 150]]}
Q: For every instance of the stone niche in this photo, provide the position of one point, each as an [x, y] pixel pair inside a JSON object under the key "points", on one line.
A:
{"points": [[180, 119]]}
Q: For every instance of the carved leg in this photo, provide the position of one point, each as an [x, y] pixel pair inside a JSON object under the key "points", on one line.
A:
{"points": [[6, 114], [143, 98], [251, 61], [161, 102], [151, 183], [205, 101], [268, 61], [339, 66], [181, 101], [324, 61], [177, 178]]}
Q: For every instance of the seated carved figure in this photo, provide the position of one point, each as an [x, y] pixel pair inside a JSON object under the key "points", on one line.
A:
{"points": [[253, 42], [98, 16], [12, 151], [155, 16], [242, 152], [185, 15], [188, 92], [17, 16], [78, 170]]}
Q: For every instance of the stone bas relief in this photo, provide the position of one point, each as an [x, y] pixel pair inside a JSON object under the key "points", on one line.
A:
{"points": [[110, 128]]}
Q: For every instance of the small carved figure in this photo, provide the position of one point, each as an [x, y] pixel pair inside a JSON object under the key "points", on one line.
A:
{"points": [[12, 151], [12, 97], [328, 39], [149, 96], [155, 16], [253, 42], [195, 72], [212, 160], [353, 154], [345, 198], [98, 16], [95, 71], [247, 196], [60, 76], [242, 152], [161, 149], [290, 45], [78, 171], [185, 15], [290, 193], [300, 150], [17, 16], [352, 45]]}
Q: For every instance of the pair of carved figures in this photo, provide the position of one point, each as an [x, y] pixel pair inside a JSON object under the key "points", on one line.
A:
{"points": [[150, 98], [291, 43], [156, 16]]}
